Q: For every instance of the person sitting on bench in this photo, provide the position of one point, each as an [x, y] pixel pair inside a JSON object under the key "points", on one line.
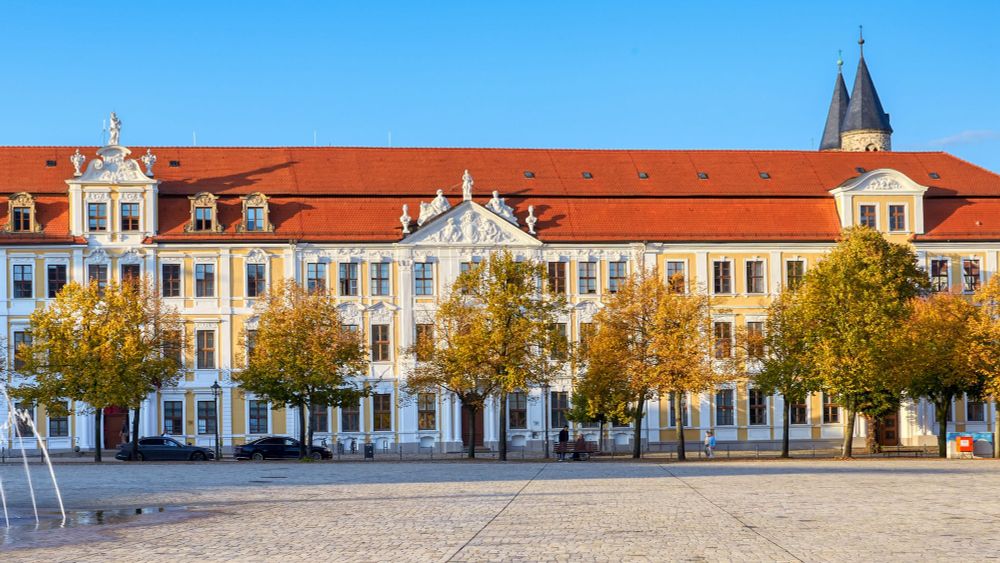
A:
{"points": [[579, 446]]}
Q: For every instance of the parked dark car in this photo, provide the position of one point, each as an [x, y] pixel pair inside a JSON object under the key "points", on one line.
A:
{"points": [[164, 449], [276, 447]]}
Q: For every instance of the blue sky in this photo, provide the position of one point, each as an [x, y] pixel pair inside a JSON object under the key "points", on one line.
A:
{"points": [[506, 74]]}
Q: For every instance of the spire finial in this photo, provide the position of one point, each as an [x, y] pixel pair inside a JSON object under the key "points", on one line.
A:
{"points": [[861, 39], [840, 60]]}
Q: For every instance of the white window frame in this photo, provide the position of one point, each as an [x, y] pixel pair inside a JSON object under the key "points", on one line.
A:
{"points": [[30, 263], [978, 259], [326, 278], [767, 410], [434, 276], [715, 407], [179, 261], [878, 214], [746, 278], [686, 270], [56, 262], [194, 280], [784, 272], [179, 398], [947, 271], [118, 216], [215, 342], [808, 403], [687, 409], [269, 416]]}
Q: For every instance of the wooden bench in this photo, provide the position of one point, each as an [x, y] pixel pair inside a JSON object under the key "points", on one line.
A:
{"points": [[901, 451], [570, 448]]}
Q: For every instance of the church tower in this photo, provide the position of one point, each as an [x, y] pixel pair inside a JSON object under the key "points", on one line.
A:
{"points": [[838, 109], [865, 126]]}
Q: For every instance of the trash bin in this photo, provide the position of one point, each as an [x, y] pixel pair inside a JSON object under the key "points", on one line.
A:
{"points": [[370, 451]]}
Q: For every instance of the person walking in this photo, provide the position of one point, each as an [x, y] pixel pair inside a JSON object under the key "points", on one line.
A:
{"points": [[709, 444], [563, 443]]}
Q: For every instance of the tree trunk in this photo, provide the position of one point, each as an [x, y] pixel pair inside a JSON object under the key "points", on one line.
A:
{"points": [[135, 434], [679, 425], [503, 427], [310, 430], [785, 426], [302, 430], [600, 435], [98, 438], [847, 451], [996, 429], [637, 422], [941, 414], [472, 430], [871, 435]]}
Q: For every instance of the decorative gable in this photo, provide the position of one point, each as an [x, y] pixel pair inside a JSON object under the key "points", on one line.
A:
{"points": [[471, 224], [883, 185]]}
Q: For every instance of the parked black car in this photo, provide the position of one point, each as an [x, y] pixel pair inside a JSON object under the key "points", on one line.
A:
{"points": [[164, 449], [277, 447]]}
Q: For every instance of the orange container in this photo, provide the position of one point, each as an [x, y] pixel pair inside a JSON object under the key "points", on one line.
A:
{"points": [[965, 444]]}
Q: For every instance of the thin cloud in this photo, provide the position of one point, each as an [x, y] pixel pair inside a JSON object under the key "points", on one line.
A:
{"points": [[967, 137]]}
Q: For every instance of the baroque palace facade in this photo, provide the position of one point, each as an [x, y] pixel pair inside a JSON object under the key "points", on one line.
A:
{"points": [[213, 226]]}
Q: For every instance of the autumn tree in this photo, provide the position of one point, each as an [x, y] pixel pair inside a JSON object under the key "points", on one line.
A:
{"points": [[495, 333], [934, 352], [103, 346], [600, 395], [302, 354], [853, 303], [657, 342], [984, 354], [783, 366]]}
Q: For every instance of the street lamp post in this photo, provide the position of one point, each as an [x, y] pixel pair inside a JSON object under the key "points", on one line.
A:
{"points": [[545, 415], [216, 391]]}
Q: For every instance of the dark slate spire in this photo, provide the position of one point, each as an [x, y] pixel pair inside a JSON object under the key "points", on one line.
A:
{"points": [[865, 110], [838, 109]]}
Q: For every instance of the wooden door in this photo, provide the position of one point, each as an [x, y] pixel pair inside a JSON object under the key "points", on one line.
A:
{"points": [[115, 419], [888, 430], [467, 424]]}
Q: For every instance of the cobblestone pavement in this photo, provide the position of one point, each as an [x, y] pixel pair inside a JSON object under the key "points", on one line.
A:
{"points": [[485, 511]]}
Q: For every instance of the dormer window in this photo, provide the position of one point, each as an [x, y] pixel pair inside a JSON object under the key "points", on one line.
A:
{"points": [[204, 214], [203, 218], [255, 214], [21, 214]]}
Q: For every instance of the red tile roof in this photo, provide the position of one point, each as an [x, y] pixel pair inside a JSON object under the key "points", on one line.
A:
{"points": [[355, 194]]}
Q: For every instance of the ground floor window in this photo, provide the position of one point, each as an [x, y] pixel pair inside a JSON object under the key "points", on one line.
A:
{"points": [[426, 411], [517, 410], [319, 418], [173, 417], [350, 418], [758, 407], [976, 411], [831, 410], [800, 413], [59, 425], [381, 412], [25, 418], [207, 417], [725, 414], [257, 417], [671, 408], [559, 401]]}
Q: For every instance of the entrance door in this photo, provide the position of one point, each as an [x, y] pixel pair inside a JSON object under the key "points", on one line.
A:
{"points": [[467, 423], [115, 418], [888, 431]]}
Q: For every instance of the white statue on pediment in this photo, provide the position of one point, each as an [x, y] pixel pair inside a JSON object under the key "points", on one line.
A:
{"points": [[437, 206], [499, 206], [450, 232], [115, 129]]}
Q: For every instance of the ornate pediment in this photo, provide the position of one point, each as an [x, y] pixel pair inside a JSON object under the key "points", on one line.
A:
{"points": [[382, 312], [883, 180], [112, 167], [471, 224]]}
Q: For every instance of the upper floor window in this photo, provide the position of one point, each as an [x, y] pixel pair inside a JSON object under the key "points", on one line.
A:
{"points": [[755, 339], [867, 216], [130, 216], [170, 280], [939, 274], [755, 276], [97, 217], [424, 341], [204, 280], [22, 339], [256, 280], [204, 214], [131, 272], [675, 276], [560, 341], [56, 274], [970, 275], [795, 270], [21, 214], [616, 276], [557, 277], [380, 278], [348, 279], [205, 349], [423, 278], [722, 281], [23, 287], [723, 332], [255, 214], [316, 277], [897, 218], [380, 343], [558, 407], [588, 278]]}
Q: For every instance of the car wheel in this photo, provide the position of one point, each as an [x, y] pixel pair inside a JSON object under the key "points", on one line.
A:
{"points": [[138, 457], [257, 456], [316, 456], [198, 456]]}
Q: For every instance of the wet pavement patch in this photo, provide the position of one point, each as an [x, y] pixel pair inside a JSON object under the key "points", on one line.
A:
{"points": [[22, 529]]}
